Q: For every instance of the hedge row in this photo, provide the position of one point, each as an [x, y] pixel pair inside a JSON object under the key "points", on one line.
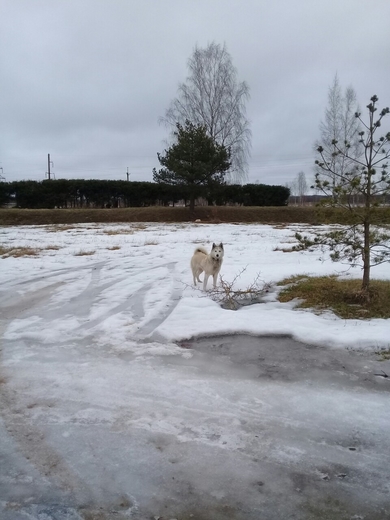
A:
{"points": [[74, 193]]}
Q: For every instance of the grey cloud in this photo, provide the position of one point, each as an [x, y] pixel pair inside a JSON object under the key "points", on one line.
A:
{"points": [[87, 81]]}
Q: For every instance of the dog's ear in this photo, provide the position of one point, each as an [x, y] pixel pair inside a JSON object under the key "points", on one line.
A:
{"points": [[214, 245], [221, 245]]}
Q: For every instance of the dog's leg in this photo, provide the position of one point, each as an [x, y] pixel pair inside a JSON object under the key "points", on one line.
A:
{"points": [[196, 274], [205, 280], [215, 278]]}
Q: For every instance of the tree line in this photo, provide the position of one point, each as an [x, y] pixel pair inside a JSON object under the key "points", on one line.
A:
{"points": [[80, 193]]}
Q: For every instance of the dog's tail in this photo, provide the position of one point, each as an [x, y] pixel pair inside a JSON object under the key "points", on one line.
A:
{"points": [[201, 250]]}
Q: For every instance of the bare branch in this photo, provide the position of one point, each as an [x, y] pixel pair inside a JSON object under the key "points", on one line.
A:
{"points": [[229, 297]]}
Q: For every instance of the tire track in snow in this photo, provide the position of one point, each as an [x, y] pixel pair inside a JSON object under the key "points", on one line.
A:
{"points": [[135, 302], [17, 306], [30, 438], [148, 331]]}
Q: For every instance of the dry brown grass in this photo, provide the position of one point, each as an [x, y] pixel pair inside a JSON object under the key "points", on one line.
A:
{"points": [[114, 248], [83, 252], [384, 354], [118, 232], [207, 214], [283, 225], [60, 227], [343, 296], [18, 251], [139, 227], [15, 251]]}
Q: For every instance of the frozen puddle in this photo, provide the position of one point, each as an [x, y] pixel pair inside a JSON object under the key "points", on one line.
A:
{"points": [[230, 427]]}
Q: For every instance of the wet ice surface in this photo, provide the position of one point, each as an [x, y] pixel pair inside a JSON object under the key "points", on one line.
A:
{"points": [[104, 416]]}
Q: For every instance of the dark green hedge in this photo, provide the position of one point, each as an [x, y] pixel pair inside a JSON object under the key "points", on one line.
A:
{"points": [[74, 193]]}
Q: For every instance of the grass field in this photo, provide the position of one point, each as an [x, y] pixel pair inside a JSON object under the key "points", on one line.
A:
{"points": [[343, 296], [212, 214]]}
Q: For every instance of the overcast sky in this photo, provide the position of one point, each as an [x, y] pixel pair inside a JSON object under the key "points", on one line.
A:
{"points": [[87, 80]]}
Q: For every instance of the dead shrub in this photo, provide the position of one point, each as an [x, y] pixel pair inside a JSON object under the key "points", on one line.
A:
{"points": [[229, 297]]}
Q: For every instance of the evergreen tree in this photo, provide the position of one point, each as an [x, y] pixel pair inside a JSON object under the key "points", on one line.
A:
{"points": [[366, 240], [195, 161]]}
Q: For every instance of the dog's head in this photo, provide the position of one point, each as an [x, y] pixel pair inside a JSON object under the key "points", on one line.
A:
{"points": [[217, 252]]}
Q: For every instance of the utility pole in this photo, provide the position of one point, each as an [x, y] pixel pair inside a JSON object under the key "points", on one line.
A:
{"points": [[2, 178], [128, 174], [49, 162]]}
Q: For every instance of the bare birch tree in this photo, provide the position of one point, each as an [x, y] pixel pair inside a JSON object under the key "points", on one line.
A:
{"points": [[298, 188], [341, 125], [301, 187], [213, 97], [292, 186]]}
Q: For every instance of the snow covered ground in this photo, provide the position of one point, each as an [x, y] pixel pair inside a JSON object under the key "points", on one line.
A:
{"points": [[107, 409]]}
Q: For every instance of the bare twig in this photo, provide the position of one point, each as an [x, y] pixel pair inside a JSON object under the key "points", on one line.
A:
{"points": [[229, 297]]}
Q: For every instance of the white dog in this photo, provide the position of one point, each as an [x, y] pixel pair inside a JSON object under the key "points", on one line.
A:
{"points": [[210, 263]]}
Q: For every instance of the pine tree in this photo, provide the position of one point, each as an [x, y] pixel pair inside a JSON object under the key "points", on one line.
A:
{"points": [[366, 240], [195, 160]]}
